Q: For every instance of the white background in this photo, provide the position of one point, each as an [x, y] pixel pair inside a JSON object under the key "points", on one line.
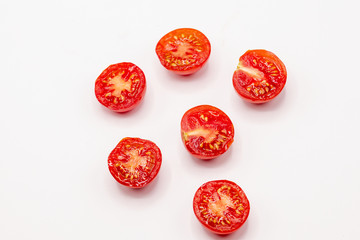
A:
{"points": [[297, 157]]}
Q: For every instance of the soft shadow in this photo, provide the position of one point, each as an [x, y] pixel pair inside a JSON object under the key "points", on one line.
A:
{"points": [[215, 162], [139, 192], [273, 105], [197, 76], [239, 234], [130, 113], [197, 227]]}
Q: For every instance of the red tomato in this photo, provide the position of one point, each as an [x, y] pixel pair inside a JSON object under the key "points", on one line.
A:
{"points": [[120, 87], [206, 131], [260, 76], [221, 206], [135, 162], [183, 51]]}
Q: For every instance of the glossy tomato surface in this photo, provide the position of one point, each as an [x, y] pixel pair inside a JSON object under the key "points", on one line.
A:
{"points": [[260, 76], [183, 51], [206, 131], [120, 87], [221, 206], [135, 162]]}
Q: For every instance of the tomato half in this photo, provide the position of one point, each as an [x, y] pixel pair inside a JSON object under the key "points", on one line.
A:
{"points": [[183, 51], [120, 87], [206, 131], [260, 76], [135, 162], [221, 206]]}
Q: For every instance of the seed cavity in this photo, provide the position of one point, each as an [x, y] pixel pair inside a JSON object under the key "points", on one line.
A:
{"points": [[209, 135], [221, 203], [218, 206], [118, 84], [260, 88], [135, 161], [204, 118], [182, 51], [250, 71]]}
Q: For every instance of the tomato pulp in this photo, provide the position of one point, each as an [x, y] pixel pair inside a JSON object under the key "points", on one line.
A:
{"points": [[183, 51], [206, 131], [120, 87], [260, 76], [135, 162], [221, 206]]}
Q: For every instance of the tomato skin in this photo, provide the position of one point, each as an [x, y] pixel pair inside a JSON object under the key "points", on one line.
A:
{"points": [[135, 162], [221, 206], [206, 131], [133, 79], [183, 51], [260, 76]]}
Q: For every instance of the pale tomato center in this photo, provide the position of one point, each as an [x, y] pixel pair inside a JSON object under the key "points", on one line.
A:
{"points": [[118, 84], [250, 71], [209, 135], [135, 160], [260, 86], [181, 50], [221, 203]]}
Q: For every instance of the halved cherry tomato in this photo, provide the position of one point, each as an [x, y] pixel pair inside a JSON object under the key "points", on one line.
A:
{"points": [[260, 76], [183, 51], [206, 131], [135, 162], [221, 206], [120, 87]]}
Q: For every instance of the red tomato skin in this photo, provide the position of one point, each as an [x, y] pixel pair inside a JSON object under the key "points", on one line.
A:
{"points": [[183, 70], [113, 156], [241, 81], [188, 125], [214, 186], [130, 103]]}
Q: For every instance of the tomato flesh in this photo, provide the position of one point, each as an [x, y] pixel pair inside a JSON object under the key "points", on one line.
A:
{"points": [[221, 206], [260, 76], [183, 51], [206, 131], [120, 87], [135, 162]]}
